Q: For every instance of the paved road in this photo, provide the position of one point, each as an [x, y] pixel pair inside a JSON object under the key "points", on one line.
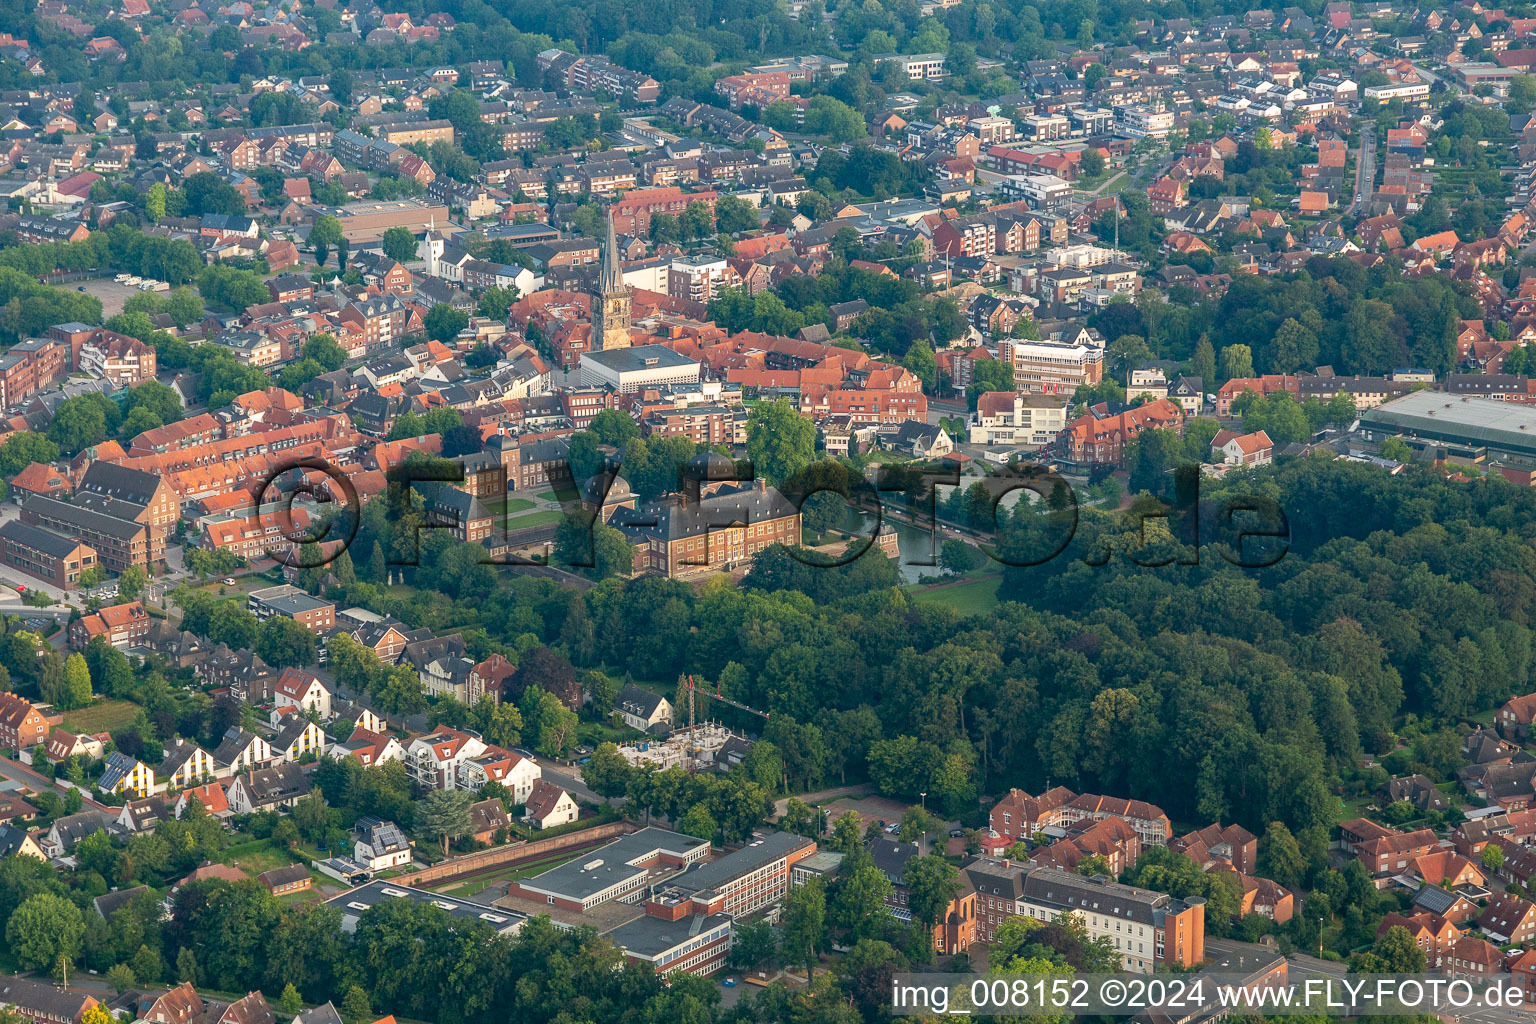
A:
{"points": [[18, 772], [1429, 76], [822, 796], [1365, 169]]}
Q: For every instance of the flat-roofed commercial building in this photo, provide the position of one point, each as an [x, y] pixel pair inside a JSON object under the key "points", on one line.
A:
{"points": [[1053, 367], [354, 904], [740, 883], [367, 222], [623, 870], [1469, 422], [628, 370]]}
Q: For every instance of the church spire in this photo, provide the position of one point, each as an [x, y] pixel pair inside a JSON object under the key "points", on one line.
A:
{"points": [[611, 280]]}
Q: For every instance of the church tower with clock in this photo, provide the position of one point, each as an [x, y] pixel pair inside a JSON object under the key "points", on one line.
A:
{"points": [[612, 303]]}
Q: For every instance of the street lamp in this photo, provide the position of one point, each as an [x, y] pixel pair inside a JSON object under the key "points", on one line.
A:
{"points": [[924, 798]]}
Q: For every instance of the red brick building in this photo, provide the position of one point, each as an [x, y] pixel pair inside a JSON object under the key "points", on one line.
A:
{"points": [[22, 726], [632, 214], [1101, 440]]}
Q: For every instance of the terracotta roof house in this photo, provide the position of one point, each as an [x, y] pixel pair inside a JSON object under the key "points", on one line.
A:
{"points": [[1515, 717], [548, 805]]}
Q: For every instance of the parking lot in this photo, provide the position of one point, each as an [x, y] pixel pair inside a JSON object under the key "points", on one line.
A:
{"points": [[113, 296]]}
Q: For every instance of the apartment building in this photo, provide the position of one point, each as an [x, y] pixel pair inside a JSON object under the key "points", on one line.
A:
{"points": [[119, 543], [1015, 418], [255, 534], [1052, 367], [706, 425], [381, 321], [33, 365], [290, 602], [1141, 121], [22, 726], [1150, 930], [122, 360], [700, 279], [123, 625]]}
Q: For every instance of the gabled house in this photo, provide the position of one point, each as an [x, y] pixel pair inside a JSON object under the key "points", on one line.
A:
{"points": [[302, 690], [487, 818], [296, 736], [210, 795], [1515, 717], [185, 764], [268, 788], [1508, 919], [127, 775], [17, 842], [548, 805], [380, 844], [143, 815], [643, 710], [1419, 791], [241, 750], [65, 832]]}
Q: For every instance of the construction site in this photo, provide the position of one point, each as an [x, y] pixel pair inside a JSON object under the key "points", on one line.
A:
{"points": [[699, 744], [691, 748]]}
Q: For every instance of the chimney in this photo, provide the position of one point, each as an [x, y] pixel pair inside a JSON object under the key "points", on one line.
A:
{"points": [[762, 485]]}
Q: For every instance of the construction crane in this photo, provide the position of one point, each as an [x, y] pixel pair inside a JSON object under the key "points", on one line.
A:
{"points": [[693, 688]]}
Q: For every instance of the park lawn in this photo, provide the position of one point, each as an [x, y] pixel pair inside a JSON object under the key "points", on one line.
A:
{"points": [[257, 856], [103, 716], [975, 597], [509, 506], [548, 496], [541, 518]]}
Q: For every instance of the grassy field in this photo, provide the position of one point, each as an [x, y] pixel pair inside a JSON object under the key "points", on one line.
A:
{"points": [[257, 856], [468, 888], [103, 716], [590, 734], [974, 597], [509, 506], [541, 518]]}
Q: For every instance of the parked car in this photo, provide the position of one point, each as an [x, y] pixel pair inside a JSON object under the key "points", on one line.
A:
{"points": [[957, 833], [228, 581]]}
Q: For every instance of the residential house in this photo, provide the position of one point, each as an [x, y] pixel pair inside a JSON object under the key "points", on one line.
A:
{"points": [[125, 774], [549, 805], [643, 710], [268, 788], [379, 845]]}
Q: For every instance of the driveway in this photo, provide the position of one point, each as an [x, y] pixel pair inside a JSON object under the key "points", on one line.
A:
{"points": [[15, 771]]}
